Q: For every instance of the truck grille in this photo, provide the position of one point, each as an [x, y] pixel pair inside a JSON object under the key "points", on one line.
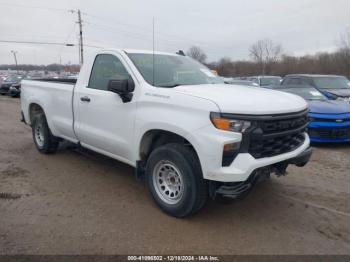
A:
{"points": [[275, 135], [338, 120], [275, 146]]}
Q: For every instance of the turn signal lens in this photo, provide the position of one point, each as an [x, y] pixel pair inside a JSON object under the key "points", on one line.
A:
{"points": [[239, 126], [223, 124]]}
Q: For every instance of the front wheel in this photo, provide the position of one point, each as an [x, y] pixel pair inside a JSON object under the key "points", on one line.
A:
{"points": [[44, 141], [174, 178]]}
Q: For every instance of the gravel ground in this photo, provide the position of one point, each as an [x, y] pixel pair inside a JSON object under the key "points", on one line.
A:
{"points": [[78, 202]]}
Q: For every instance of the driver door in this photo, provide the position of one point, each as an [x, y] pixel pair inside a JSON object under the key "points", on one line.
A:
{"points": [[104, 122]]}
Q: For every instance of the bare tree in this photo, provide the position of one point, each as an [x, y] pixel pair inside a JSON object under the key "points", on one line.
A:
{"points": [[345, 40], [265, 53], [343, 57], [197, 53]]}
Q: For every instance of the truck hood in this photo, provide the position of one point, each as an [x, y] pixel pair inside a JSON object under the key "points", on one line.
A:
{"points": [[246, 99], [329, 107]]}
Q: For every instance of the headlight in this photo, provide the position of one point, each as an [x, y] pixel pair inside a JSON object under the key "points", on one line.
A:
{"points": [[233, 125]]}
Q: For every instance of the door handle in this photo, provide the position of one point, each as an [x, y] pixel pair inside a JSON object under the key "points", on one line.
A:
{"points": [[85, 99]]}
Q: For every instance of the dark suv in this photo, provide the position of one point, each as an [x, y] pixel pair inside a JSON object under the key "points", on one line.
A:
{"points": [[333, 86], [11, 86]]}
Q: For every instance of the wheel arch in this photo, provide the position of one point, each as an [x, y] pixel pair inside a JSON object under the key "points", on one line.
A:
{"points": [[34, 109], [154, 138]]}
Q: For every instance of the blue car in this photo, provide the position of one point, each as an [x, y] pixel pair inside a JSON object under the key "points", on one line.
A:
{"points": [[332, 86], [329, 119]]}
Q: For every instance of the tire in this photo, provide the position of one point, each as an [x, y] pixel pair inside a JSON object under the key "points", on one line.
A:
{"points": [[44, 141], [175, 181]]}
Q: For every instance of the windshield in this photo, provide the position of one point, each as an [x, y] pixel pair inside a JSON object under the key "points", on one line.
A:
{"points": [[12, 79], [332, 82], [172, 70], [269, 81], [306, 93]]}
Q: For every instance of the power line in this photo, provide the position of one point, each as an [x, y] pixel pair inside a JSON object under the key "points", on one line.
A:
{"points": [[148, 37], [114, 22], [35, 43], [142, 35], [46, 43], [65, 41], [34, 37], [185, 39]]}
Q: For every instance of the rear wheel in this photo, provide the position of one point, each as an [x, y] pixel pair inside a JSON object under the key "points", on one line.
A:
{"points": [[175, 180], [44, 141]]}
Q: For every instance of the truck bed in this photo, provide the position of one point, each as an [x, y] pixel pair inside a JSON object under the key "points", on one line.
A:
{"points": [[55, 96]]}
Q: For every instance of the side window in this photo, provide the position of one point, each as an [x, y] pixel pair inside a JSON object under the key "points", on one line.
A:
{"points": [[304, 81], [105, 68], [312, 83], [286, 81], [294, 81], [255, 80]]}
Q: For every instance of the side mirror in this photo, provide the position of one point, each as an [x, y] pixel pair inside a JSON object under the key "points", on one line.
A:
{"points": [[122, 87]]}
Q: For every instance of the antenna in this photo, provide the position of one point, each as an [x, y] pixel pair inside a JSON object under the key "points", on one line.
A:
{"points": [[153, 52]]}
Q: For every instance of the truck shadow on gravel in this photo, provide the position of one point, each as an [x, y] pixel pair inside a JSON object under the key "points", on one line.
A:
{"points": [[261, 192], [128, 173]]}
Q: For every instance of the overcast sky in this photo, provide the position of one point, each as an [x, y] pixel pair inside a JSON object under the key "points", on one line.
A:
{"points": [[221, 28]]}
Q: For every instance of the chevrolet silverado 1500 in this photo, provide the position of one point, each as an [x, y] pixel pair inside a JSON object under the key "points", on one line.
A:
{"points": [[186, 132]]}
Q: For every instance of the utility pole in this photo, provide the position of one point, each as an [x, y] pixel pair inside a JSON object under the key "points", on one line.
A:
{"points": [[81, 53], [14, 55]]}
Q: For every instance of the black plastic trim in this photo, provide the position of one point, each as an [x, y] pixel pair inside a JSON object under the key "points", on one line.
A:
{"points": [[56, 80], [285, 133], [264, 117], [302, 159]]}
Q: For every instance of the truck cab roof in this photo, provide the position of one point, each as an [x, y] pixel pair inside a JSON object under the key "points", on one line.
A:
{"points": [[135, 51]]}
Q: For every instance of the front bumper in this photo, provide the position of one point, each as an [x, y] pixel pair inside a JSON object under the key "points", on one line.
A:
{"points": [[269, 140], [329, 132], [245, 164], [4, 91], [302, 159], [317, 140], [14, 92], [239, 189]]}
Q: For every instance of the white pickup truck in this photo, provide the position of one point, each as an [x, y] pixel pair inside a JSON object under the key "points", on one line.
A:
{"points": [[186, 132]]}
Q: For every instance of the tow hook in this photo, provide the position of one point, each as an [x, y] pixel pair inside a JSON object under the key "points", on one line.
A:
{"points": [[280, 169]]}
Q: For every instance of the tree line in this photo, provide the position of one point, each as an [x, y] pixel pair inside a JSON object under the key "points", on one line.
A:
{"points": [[268, 58]]}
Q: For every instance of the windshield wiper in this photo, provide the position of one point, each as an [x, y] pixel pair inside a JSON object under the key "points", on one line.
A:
{"points": [[316, 99], [170, 86]]}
